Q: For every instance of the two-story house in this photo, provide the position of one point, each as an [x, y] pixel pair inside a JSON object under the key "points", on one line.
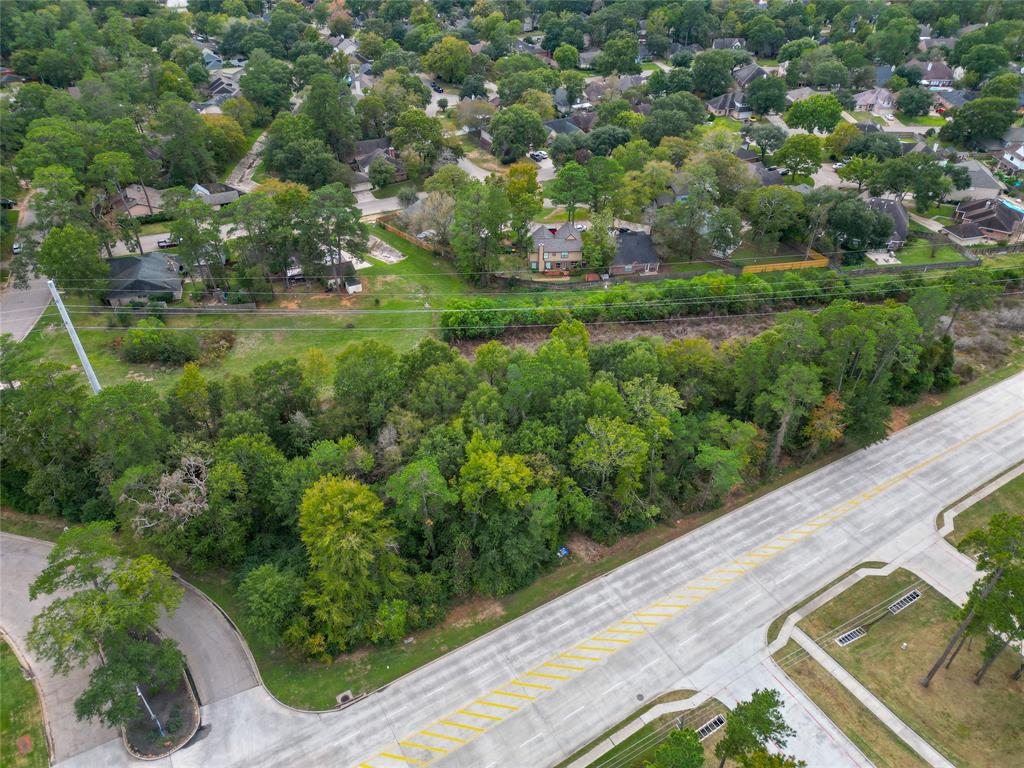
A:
{"points": [[560, 248]]}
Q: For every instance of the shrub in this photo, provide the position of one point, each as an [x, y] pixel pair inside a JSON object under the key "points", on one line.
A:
{"points": [[149, 342]]}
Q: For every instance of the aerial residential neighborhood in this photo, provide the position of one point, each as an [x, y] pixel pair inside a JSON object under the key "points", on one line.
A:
{"points": [[512, 383]]}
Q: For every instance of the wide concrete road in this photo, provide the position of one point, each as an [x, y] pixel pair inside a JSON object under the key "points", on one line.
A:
{"points": [[215, 654], [532, 692], [21, 308]]}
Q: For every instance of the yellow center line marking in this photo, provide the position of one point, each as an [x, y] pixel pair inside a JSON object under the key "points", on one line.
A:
{"points": [[611, 640], [625, 631], [412, 760], [639, 623], [442, 736], [516, 695], [549, 677], [577, 657], [564, 666], [364, 765], [592, 648], [531, 685], [460, 725], [476, 714], [414, 745], [496, 704]]}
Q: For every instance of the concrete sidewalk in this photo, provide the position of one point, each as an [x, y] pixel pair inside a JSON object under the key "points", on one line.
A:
{"points": [[926, 751]]}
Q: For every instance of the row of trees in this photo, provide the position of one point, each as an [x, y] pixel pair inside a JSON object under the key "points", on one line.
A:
{"points": [[428, 476]]}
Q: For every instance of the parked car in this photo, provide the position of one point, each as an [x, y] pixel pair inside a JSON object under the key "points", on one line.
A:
{"points": [[435, 87], [888, 117], [839, 165], [538, 155], [17, 248], [784, 172], [166, 243]]}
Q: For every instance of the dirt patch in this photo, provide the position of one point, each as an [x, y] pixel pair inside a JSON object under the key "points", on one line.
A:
{"points": [[473, 611], [289, 304], [587, 550], [357, 656], [900, 419]]}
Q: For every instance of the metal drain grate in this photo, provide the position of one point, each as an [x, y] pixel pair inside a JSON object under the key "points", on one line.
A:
{"points": [[710, 727], [849, 637], [904, 601]]}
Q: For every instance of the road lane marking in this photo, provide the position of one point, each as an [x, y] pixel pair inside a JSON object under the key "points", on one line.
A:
{"points": [[731, 570], [462, 725], [617, 685], [531, 685], [578, 709], [412, 760], [414, 745], [670, 605], [611, 640], [593, 648], [564, 666], [532, 738], [496, 704], [549, 677], [514, 695], [654, 615], [760, 555], [577, 657], [477, 714], [442, 736]]}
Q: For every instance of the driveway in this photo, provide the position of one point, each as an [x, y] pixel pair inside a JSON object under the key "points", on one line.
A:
{"points": [[217, 658], [241, 176], [21, 308]]}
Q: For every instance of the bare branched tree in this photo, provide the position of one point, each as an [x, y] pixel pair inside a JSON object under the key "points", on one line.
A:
{"points": [[177, 498]]}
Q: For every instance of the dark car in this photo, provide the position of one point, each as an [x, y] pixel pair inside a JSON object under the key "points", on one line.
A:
{"points": [[436, 88], [166, 243]]}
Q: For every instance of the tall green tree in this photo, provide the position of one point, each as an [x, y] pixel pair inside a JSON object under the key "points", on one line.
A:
{"points": [[570, 187], [481, 213], [329, 109], [70, 255], [331, 226]]}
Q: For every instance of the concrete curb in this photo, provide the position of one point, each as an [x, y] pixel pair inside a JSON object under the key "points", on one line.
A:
{"points": [[23, 661]]}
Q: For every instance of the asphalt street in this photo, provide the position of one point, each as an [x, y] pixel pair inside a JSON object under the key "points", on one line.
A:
{"points": [[692, 613]]}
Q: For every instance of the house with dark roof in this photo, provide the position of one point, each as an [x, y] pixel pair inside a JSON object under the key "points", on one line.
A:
{"points": [[986, 220], [585, 120], [955, 98], [728, 44], [795, 95], [984, 185], [769, 177], [730, 104], [587, 58], [556, 249], [368, 150], [934, 74], [561, 126], [138, 278], [634, 255], [883, 74], [748, 73], [900, 218]]}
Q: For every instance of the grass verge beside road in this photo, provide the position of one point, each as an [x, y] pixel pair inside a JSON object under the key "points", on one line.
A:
{"points": [[1009, 498], [22, 740], [970, 724], [880, 745]]}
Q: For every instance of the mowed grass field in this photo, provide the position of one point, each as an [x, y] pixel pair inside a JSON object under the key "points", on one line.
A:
{"points": [[1009, 498], [21, 717], [972, 725], [395, 307]]}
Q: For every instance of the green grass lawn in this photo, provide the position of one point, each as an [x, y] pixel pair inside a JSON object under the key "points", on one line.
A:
{"points": [[21, 717], [920, 251], [1009, 498], [970, 724], [154, 228], [726, 122], [879, 744], [420, 279], [929, 120], [943, 209], [650, 67]]}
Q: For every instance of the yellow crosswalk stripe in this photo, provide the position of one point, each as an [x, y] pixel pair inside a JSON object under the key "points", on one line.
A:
{"points": [[611, 640], [592, 648], [412, 760], [549, 677], [625, 631], [670, 605], [640, 623], [442, 736], [462, 725], [564, 666], [414, 745], [496, 704], [477, 714], [578, 657], [532, 685], [514, 695]]}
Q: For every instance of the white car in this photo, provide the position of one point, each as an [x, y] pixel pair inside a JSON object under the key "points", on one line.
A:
{"points": [[17, 248]]}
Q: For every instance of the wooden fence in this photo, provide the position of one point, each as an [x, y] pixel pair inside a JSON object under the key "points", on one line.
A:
{"points": [[424, 244], [816, 263]]}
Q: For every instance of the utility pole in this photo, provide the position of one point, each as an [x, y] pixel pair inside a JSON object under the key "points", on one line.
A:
{"points": [[89, 372]]}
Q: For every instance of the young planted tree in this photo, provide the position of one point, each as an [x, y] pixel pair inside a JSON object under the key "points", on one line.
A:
{"points": [[108, 617], [752, 725]]}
